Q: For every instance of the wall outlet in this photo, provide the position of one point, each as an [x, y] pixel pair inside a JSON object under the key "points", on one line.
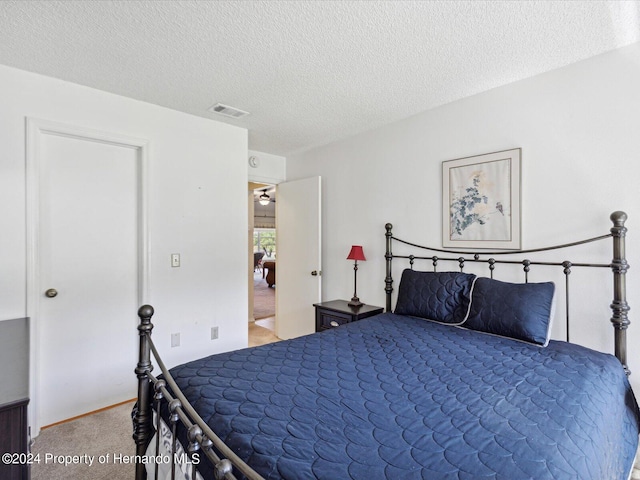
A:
{"points": [[175, 339], [214, 333]]}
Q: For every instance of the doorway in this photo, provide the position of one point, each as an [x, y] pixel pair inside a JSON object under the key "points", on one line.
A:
{"points": [[263, 256], [299, 256]]}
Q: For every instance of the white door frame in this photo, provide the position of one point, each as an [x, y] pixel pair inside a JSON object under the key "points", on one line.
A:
{"points": [[35, 130]]}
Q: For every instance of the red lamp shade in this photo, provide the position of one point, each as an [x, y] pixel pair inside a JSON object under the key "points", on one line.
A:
{"points": [[356, 253]]}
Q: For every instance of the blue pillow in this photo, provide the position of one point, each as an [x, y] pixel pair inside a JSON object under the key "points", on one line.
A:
{"points": [[440, 296], [522, 311]]}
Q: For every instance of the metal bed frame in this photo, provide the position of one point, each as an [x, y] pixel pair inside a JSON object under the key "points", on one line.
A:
{"points": [[202, 440], [618, 266]]}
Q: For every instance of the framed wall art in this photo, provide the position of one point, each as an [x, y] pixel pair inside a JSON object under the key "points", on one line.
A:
{"points": [[481, 201]]}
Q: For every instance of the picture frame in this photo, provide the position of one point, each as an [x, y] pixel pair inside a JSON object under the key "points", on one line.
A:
{"points": [[481, 201]]}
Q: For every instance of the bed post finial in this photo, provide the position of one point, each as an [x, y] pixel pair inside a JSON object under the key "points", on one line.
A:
{"points": [[619, 306], [145, 312], [142, 421], [388, 280], [619, 217]]}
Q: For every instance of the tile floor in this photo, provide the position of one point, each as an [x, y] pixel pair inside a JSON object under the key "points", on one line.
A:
{"points": [[261, 332]]}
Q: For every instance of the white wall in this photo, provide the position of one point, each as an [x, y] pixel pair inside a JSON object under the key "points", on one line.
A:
{"points": [[271, 168], [579, 130], [194, 162]]}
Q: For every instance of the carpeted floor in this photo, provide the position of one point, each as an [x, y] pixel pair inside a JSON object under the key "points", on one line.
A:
{"points": [[103, 438], [264, 298]]}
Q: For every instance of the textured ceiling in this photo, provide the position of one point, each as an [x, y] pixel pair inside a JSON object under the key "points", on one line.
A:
{"points": [[309, 72]]}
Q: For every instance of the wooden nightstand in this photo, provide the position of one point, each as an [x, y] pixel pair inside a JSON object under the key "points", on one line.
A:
{"points": [[338, 312], [14, 378]]}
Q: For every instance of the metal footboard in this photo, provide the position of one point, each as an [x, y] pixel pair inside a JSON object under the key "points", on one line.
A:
{"points": [[202, 440]]}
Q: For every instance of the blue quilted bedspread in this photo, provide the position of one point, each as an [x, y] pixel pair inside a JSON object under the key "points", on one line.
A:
{"points": [[395, 397]]}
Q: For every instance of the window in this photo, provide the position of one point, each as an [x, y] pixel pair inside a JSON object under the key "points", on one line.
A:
{"points": [[264, 240]]}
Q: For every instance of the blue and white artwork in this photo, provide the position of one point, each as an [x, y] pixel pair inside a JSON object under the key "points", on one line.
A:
{"points": [[480, 201]]}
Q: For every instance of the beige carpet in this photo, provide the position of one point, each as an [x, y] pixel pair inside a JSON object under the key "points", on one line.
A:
{"points": [[264, 298], [100, 436]]}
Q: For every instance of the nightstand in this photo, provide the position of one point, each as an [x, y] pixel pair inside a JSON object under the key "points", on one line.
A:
{"points": [[338, 312], [14, 378]]}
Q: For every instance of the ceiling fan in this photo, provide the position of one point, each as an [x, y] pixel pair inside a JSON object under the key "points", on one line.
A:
{"points": [[264, 199]]}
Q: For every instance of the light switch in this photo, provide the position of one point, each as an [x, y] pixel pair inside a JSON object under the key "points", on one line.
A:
{"points": [[175, 259]]}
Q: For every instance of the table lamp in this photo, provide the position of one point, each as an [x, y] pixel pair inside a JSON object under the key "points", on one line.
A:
{"points": [[355, 254]]}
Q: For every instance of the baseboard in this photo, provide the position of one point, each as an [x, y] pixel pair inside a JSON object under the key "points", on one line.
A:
{"points": [[88, 413]]}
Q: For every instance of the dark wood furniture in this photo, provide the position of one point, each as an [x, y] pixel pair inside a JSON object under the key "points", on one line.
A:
{"points": [[257, 261], [270, 269], [338, 312], [14, 378]]}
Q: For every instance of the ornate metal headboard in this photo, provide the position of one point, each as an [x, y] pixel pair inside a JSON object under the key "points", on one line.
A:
{"points": [[618, 266]]}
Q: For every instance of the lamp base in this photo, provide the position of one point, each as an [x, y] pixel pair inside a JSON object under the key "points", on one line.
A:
{"points": [[355, 302]]}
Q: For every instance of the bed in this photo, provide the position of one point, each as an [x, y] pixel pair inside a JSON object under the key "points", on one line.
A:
{"points": [[460, 381]]}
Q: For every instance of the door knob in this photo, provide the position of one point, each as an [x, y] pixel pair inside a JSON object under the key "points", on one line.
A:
{"points": [[52, 292], [315, 273]]}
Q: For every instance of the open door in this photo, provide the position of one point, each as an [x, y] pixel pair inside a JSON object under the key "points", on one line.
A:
{"points": [[299, 265]]}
